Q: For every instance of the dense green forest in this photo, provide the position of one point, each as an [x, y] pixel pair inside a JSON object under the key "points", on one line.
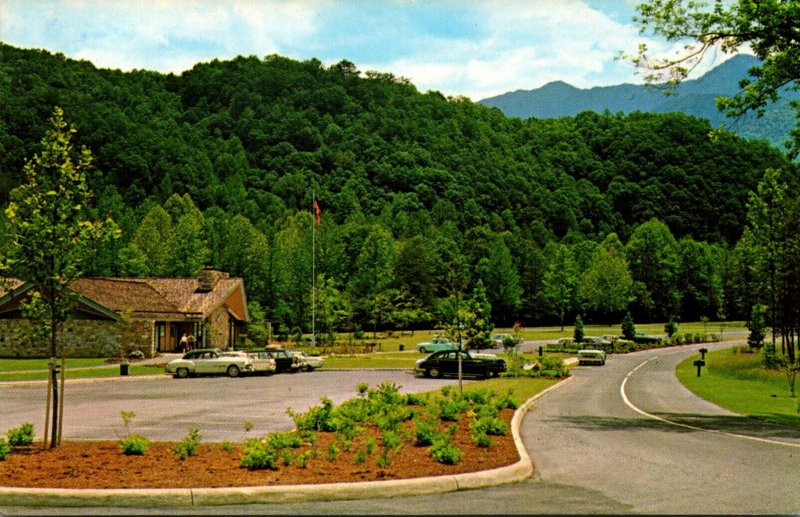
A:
{"points": [[425, 200]]}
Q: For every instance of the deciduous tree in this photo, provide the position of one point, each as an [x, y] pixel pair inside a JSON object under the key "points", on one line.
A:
{"points": [[49, 237]]}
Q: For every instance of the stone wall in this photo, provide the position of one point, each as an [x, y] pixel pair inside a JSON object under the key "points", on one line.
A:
{"points": [[80, 338]]}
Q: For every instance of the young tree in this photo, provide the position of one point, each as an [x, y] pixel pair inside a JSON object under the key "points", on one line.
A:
{"points": [[628, 327], [652, 253], [757, 327], [768, 28], [49, 236], [560, 281], [606, 286], [578, 333]]}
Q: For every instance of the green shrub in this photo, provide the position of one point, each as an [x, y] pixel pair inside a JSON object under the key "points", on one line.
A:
{"points": [[188, 445], [333, 452], [317, 418], [302, 459], [384, 460], [553, 364], [479, 396], [361, 456], [387, 393], [286, 456], [445, 451], [264, 454], [490, 425], [416, 399], [451, 410], [134, 445], [391, 440], [479, 436], [425, 430], [5, 449], [507, 401], [226, 446], [362, 388], [22, 435], [257, 455], [370, 445]]}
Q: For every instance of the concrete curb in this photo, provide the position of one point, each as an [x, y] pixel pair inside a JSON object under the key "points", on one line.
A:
{"points": [[176, 497]]}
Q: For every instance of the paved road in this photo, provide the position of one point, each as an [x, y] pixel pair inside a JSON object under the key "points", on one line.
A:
{"points": [[623, 438]]}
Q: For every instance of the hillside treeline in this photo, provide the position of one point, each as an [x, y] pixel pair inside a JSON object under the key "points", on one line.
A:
{"points": [[423, 198]]}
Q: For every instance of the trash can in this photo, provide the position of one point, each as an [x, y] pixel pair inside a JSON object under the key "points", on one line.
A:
{"points": [[402, 347], [123, 368]]}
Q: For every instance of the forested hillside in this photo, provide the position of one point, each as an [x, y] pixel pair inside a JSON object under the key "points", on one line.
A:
{"points": [[423, 198], [696, 97]]}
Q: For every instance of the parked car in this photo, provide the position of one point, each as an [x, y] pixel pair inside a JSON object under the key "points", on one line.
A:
{"points": [[445, 362], [262, 363], [209, 361], [308, 362], [436, 344], [591, 356], [285, 361]]}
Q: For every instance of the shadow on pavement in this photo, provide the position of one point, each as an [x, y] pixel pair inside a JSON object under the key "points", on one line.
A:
{"points": [[729, 424]]}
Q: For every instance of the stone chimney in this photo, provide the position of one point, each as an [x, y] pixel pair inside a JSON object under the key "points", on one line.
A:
{"points": [[207, 279]]}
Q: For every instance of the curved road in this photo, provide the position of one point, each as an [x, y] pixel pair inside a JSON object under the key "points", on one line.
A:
{"points": [[623, 438]]}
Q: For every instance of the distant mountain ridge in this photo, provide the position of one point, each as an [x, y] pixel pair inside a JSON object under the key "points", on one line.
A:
{"points": [[695, 97]]}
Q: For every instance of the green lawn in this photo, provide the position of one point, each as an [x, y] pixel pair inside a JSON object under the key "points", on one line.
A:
{"points": [[410, 339], [737, 382], [395, 360], [37, 369]]}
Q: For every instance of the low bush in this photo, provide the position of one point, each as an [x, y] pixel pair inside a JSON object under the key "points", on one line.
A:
{"points": [[5, 449], [264, 454], [554, 365], [22, 435], [134, 445], [490, 425], [479, 436], [445, 451], [188, 445], [317, 418]]}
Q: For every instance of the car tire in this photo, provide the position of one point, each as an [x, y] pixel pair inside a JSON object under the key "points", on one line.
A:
{"points": [[233, 371], [423, 350], [434, 373], [181, 373]]}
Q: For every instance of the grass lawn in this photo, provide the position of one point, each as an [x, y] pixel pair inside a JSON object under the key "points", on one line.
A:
{"points": [[410, 339], [77, 368], [522, 388], [396, 360], [737, 382]]}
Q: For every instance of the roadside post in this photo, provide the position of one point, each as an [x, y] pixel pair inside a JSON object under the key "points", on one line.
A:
{"points": [[699, 364]]}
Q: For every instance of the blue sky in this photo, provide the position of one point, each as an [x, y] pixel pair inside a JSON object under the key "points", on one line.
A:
{"points": [[476, 48]]}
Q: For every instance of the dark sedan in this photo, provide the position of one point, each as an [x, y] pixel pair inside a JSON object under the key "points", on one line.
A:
{"points": [[445, 362]]}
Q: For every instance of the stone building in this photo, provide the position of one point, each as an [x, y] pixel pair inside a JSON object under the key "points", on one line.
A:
{"points": [[113, 317]]}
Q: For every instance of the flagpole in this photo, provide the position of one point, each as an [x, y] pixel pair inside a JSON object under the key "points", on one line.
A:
{"points": [[314, 269]]}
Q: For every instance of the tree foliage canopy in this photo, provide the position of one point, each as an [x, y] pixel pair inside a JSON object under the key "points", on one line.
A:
{"points": [[767, 27]]}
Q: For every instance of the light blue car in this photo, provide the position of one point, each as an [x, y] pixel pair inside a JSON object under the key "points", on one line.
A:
{"points": [[436, 344]]}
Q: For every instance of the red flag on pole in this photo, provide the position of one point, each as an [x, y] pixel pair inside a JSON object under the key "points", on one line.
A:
{"points": [[317, 213]]}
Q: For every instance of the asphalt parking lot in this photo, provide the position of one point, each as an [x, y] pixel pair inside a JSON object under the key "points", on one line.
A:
{"points": [[218, 407]]}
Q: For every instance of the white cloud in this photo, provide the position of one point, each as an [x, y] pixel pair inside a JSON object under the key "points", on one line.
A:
{"points": [[505, 44], [525, 45]]}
